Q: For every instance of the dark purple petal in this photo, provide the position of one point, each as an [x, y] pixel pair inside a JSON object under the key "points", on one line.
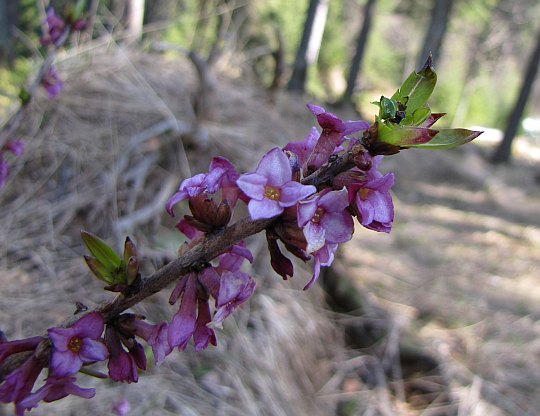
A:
{"points": [[355, 126], [121, 365], [89, 326], [18, 384], [156, 336], [209, 278], [136, 351], [8, 348], [56, 389], [183, 323], [122, 368], [203, 335]]}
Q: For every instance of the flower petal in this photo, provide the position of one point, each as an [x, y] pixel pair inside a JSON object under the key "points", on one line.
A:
{"points": [[252, 184], [275, 166], [292, 192], [265, 208]]}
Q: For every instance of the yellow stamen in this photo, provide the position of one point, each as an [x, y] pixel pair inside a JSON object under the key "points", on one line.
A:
{"points": [[75, 344], [272, 193]]}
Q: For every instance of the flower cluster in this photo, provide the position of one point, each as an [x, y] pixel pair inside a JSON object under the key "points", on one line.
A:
{"points": [[310, 221]]}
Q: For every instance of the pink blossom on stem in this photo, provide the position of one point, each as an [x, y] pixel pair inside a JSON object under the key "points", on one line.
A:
{"points": [[234, 289], [271, 188], [221, 175], [333, 134], [325, 218]]}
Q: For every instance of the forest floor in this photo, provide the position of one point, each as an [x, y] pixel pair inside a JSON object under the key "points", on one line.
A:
{"points": [[455, 281]]}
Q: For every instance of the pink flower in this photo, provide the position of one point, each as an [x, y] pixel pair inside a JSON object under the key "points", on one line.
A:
{"points": [[77, 345], [373, 204], [234, 289], [221, 176], [333, 133], [271, 188], [322, 257], [325, 219]]}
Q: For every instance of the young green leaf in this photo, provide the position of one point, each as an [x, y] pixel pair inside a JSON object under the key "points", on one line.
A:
{"points": [[404, 136], [101, 251], [450, 138], [417, 88]]}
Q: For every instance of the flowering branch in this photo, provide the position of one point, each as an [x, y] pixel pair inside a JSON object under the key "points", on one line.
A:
{"points": [[304, 196]]}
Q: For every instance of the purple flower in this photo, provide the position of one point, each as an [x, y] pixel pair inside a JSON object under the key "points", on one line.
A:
{"points": [[333, 133], [52, 83], [18, 384], [193, 316], [221, 175], [234, 289], [322, 257], [271, 188], [56, 388], [77, 345], [304, 148], [155, 336], [325, 219], [55, 28], [203, 334], [122, 365], [183, 323], [373, 204], [8, 348]]}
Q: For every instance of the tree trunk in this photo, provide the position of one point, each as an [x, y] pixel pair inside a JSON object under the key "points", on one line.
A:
{"points": [[440, 16], [134, 19], [503, 151], [310, 43], [9, 11], [360, 47]]}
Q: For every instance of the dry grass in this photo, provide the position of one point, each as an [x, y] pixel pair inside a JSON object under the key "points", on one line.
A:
{"points": [[458, 275]]}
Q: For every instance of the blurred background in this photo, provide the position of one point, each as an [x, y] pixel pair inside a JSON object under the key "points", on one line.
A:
{"points": [[441, 317]]}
